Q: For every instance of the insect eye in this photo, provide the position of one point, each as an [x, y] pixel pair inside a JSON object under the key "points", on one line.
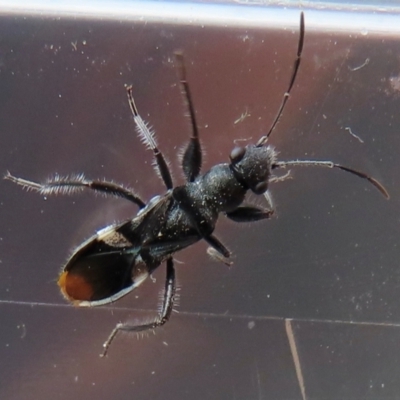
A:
{"points": [[237, 154], [260, 188]]}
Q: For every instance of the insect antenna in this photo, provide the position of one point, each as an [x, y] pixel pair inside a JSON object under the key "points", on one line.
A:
{"points": [[330, 164], [286, 95]]}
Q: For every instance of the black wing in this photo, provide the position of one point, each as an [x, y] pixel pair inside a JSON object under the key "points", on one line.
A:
{"points": [[109, 265]]}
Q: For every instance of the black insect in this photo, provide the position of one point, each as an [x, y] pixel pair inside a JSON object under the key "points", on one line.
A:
{"points": [[120, 257]]}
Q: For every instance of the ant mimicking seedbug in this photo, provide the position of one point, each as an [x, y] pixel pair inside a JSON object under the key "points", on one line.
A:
{"points": [[121, 256]]}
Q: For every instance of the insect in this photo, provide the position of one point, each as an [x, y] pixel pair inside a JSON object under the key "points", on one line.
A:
{"points": [[118, 258]]}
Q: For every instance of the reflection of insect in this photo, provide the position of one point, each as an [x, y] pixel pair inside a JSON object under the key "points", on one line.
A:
{"points": [[119, 257]]}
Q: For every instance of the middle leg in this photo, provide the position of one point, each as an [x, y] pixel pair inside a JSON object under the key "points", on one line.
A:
{"points": [[192, 156]]}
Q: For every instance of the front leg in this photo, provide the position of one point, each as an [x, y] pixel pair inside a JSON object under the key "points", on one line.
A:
{"points": [[249, 214], [218, 249], [217, 256]]}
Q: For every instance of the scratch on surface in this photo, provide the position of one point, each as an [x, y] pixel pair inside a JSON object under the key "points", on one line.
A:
{"points": [[295, 355], [258, 382], [347, 128], [242, 117], [225, 315], [366, 62]]}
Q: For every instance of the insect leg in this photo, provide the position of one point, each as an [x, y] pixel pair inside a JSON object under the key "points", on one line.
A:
{"points": [[249, 214], [215, 243], [286, 96], [73, 184], [147, 137], [163, 317], [191, 160], [218, 256]]}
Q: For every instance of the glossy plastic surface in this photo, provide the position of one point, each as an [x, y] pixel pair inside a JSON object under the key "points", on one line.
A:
{"points": [[310, 308]]}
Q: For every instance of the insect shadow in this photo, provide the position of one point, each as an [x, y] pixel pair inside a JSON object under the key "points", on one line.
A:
{"points": [[118, 258]]}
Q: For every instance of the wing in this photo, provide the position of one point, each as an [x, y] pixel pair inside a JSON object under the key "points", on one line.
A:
{"points": [[109, 265]]}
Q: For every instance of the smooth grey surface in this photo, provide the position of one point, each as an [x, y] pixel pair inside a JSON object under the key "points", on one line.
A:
{"points": [[329, 260]]}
